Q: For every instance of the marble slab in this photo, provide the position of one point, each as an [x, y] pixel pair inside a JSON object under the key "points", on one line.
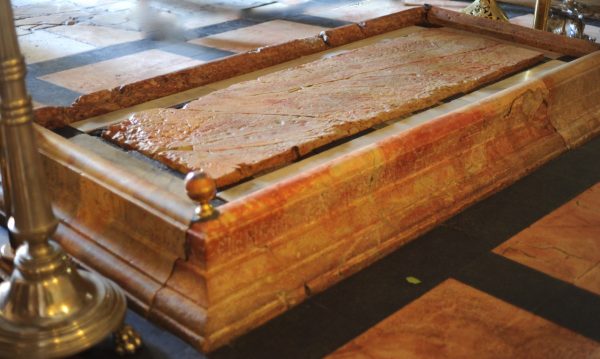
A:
{"points": [[389, 128]]}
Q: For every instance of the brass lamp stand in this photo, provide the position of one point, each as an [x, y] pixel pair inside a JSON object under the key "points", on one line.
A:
{"points": [[486, 8], [48, 308]]}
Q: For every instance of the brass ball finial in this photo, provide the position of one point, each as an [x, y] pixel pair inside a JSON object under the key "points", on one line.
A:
{"points": [[201, 188], [127, 340]]}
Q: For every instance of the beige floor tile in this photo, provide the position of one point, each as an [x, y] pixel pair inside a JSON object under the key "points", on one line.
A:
{"points": [[122, 70], [115, 6], [358, 10], [565, 244], [252, 37], [233, 4], [47, 19], [447, 4], [209, 16], [93, 3], [21, 3], [98, 36], [42, 46], [280, 6], [28, 9], [457, 321], [367, 9], [124, 20]]}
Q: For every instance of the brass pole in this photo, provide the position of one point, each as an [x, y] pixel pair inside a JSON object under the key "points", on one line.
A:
{"points": [[540, 17], [48, 308], [7, 249]]}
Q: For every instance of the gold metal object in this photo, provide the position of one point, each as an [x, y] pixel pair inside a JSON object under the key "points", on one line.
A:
{"points": [[486, 8], [201, 188], [566, 18], [127, 340], [48, 308], [540, 19]]}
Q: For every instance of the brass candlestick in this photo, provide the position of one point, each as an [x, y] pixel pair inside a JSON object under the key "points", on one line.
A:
{"points": [[486, 8], [48, 308]]}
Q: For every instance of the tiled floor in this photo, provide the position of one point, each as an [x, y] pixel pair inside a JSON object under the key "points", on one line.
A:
{"points": [[517, 275], [123, 70], [565, 244], [61, 39], [454, 320]]}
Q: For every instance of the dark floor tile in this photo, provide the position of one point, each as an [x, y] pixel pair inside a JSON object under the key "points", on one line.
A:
{"points": [[332, 318], [317, 21], [579, 163], [89, 57], [576, 309], [48, 93], [592, 146], [455, 321], [219, 28], [157, 344], [503, 215], [305, 331], [536, 292], [195, 51]]}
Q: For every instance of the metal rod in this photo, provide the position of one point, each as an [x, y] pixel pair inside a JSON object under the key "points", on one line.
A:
{"points": [[31, 214], [48, 308], [540, 20]]}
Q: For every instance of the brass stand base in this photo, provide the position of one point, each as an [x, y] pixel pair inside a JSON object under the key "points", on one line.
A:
{"points": [[486, 8], [127, 340], [50, 309]]}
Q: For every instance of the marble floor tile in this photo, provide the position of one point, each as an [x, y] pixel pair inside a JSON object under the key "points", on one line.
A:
{"points": [[125, 20], [357, 10], [98, 36], [234, 4], [22, 3], [208, 16], [289, 7], [24, 10], [564, 244], [115, 6], [47, 20], [454, 320], [122, 70], [42, 45], [264, 34]]}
